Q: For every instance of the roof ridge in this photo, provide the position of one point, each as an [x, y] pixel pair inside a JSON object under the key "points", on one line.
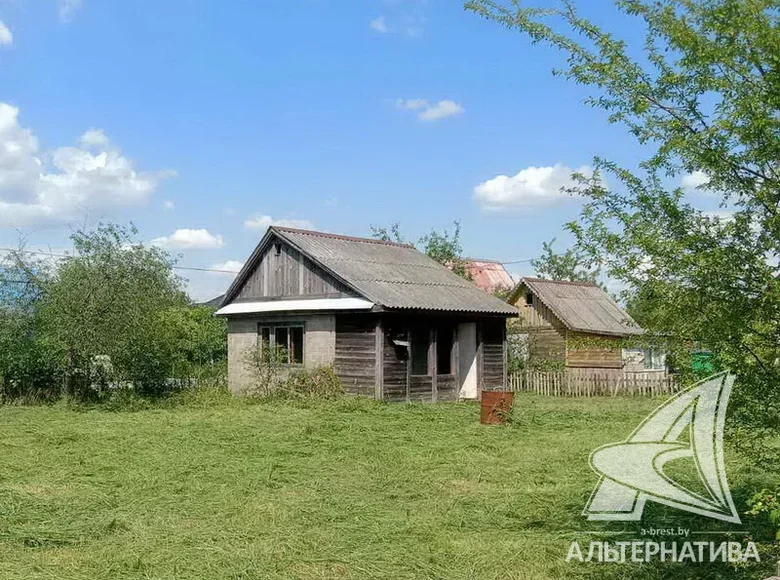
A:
{"points": [[340, 237], [567, 282], [485, 260], [410, 283]]}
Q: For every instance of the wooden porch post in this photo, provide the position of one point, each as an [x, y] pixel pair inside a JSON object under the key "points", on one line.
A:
{"points": [[409, 365], [379, 362], [433, 364], [506, 356], [455, 358]]}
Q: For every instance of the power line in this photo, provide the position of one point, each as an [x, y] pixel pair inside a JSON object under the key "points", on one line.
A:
{"points": [[517, 261], [195, 269], [53, 255]]}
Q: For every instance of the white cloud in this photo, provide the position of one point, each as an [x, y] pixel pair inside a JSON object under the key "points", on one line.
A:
{"points": [[533, 186], [169, 205], [401, 17], [441, 110], [693, 181], [228, 268], [94, 138], [6, 38], [427, 111], [411, 104], [378, 24], [69, 8], [190, 239], [263, 222], [59, 186]]}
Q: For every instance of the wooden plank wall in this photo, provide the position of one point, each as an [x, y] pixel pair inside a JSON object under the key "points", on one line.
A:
{"points": [[355, 353], [589, 355], [546, 334], [446, 388], [288, 274], [394, 387], [421, 388]]}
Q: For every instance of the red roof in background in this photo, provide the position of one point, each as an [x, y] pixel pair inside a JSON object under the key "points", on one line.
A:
{"points": [[489, 275]]}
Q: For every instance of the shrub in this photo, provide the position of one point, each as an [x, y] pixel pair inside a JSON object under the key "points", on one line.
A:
{"points": [[319, 383], [272, 379]]}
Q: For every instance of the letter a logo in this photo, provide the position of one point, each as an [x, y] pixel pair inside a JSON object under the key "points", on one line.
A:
{"points": [[633, 472]]}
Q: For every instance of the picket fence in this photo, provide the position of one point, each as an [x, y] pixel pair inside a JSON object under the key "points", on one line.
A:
{"points": [[567, 384]]}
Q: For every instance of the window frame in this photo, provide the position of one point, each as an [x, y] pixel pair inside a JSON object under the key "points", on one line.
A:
{"points": [[272, 327], [652, 356]]}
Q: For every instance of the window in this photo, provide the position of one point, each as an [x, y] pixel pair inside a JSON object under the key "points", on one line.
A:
{"points": [[444, 351], [282, 343], [421, 341], [654, 359], [278, 249], [529, 299]]}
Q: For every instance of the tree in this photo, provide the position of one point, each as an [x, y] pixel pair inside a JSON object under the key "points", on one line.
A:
{"points": [[571, 265], [702, 92], [443, 247], [27, 371], [104, 309]]}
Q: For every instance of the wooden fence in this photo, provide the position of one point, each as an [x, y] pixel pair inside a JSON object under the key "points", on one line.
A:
{"points": [[567, 384]]}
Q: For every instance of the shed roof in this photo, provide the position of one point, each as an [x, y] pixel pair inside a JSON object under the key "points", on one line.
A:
{"points": [[392, 275], [582, 306]]}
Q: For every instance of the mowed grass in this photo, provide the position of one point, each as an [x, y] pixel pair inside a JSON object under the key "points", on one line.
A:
{"points": [[349, 489]]}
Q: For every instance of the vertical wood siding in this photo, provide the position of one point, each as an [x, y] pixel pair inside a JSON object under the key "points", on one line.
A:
{"points": [[288, 274]]}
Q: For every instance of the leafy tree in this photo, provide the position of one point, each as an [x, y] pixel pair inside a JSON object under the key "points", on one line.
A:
{"points": [[571, 265], [701, 91], [444, 247], [391, 234], [112, 314], [195, 337], [109, 300], [26, 369]]}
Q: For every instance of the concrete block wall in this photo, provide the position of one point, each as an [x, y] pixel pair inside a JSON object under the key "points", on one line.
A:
{"points": [[319, 343]]}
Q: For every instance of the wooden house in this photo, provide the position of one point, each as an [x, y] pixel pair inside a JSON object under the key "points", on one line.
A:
{"points": [[572, 325], [395, 324]]}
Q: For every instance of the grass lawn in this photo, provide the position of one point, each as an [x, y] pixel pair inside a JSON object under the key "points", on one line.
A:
{"points": [[351, 489]]}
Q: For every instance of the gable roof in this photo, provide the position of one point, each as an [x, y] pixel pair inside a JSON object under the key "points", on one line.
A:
{"points": [[488, 275], [392, 275], [581, 306]]}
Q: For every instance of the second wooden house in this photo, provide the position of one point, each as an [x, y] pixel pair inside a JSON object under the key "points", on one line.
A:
{"points": [[574, 326]]}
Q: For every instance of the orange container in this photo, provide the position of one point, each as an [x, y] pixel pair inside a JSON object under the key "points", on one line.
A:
{"points": [[496, 406]]}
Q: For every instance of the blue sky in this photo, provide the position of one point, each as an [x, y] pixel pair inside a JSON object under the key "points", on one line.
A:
{"points": [[332, 114]]}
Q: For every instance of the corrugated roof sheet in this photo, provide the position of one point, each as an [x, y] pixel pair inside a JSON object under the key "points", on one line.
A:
{"points": [[583, 307], [488, 275], [394, 275]]}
